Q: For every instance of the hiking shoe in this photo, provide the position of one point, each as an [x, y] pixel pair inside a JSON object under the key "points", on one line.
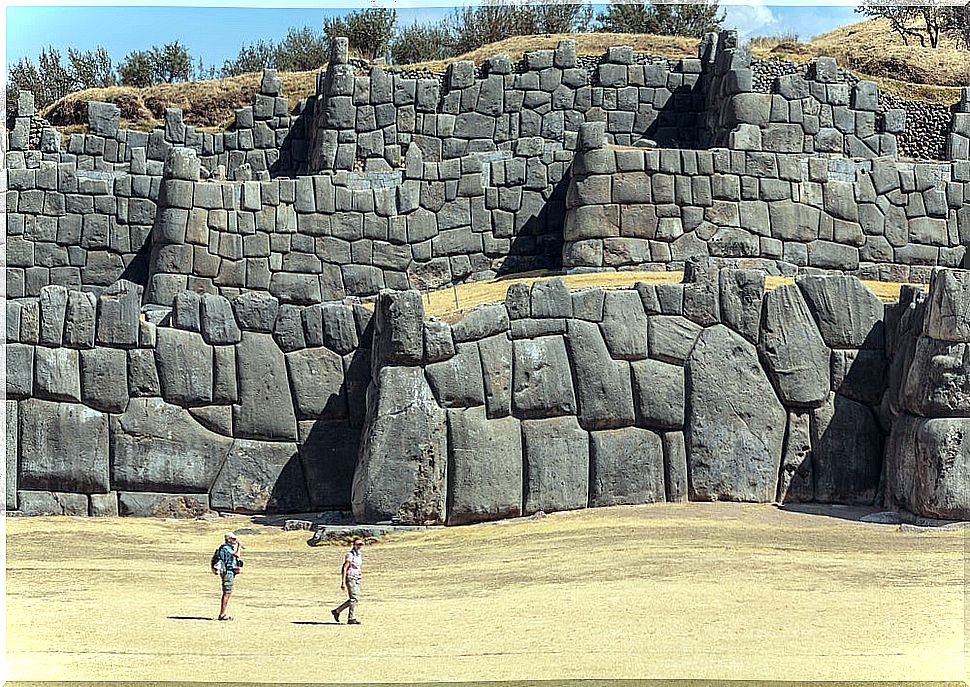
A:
{"points": [[225, 617], [336, 616], [353, 621]]}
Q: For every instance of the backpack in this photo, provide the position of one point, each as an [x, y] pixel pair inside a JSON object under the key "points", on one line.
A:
{"points": [[220, 567]]}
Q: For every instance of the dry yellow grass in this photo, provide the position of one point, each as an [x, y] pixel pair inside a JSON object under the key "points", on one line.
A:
{"points": [[664, 591], [451, 304]]}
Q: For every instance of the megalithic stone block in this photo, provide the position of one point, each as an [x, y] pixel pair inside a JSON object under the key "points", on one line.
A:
{"points": [[556, 465], [261, 477], [265, 408], [63, 447], [401, 471]]}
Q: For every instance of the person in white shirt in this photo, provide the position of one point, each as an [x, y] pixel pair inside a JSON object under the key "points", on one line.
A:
{"points": [[350, 579]]}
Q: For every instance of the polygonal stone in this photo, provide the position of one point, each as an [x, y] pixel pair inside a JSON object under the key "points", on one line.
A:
{"points": [[329, 453], [735, 425], [658, 392], [20, 370], [317, 379], [118, 309], [796, 484], [63, 447], [265, 408], [217, 321], [671, 337], [624, 325], [496, 357], [847, 313], [846, 452], [155, 505], [603, 388], [485, 472], [942, 488], [184, 362], [104, 379], [401, 471], [741, 294], [256, 311], [399, 328], [626, 467], [457, 382], [948, 318], [156, 446], [56, 374], [261, 477], [542, 383], [556, 454], [938, 381]]}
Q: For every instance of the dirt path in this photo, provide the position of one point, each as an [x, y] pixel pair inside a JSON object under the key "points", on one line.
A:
{"points": [[692, 590]]}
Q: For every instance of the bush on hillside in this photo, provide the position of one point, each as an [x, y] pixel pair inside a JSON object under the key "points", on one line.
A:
{"points": [[368, 31], [421, 43], [690, 20]]}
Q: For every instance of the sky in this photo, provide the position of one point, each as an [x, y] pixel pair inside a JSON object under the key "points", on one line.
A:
{"points": [[216, 33]]}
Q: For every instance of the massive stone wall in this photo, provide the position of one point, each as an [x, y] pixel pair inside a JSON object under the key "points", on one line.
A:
{"points": [[881, 219]]}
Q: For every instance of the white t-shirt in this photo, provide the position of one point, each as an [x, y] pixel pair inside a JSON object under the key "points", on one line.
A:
{"points": [[353, 563]]}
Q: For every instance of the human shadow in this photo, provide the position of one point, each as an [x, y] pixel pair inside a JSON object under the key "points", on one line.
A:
{"points": [[313, 622], [189, 617]]}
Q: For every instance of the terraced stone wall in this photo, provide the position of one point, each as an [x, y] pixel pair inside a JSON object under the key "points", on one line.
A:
{"points": [[881, 219]]}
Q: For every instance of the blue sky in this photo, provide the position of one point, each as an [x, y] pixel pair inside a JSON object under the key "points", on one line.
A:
{"points": [[216, 33]]}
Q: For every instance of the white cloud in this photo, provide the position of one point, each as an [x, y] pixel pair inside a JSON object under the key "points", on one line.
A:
{"points": [[751, 19]]}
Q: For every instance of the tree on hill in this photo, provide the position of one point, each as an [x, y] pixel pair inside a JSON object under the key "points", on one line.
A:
{"points": [[690, 20], [925, 23], [368, 31], [51, 78], [474, 26], [421, 43], [136, 69]]}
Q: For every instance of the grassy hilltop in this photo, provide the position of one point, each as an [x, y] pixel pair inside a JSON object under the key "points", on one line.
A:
{"points": [[868, 48]]}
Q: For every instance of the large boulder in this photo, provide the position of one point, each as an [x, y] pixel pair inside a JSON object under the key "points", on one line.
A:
{"points": [[265, 408], [624, 325], [12, 445], [741, 294], [900, 463], [792, 349], [145, 504], [948, 317], [20, 370], [261, 477], [160, 447], [796, 484], [675, 467], [485, 473], [556, 464], [118, 314], [398, 328], [317, 379], [938, 381], [603, 386], [671, 338], [63, 447], [848, 314], [846, 452], [496, 355], [542, 383], [104, 379], [56, 374], [184, 362], [626, 467], [735, 425], [457, 382], [401, 470], [329, 454], [943, 468], [658, 392]]}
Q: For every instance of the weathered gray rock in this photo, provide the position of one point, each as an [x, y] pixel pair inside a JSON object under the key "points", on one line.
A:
{"points": [[556, 464], [216, 418], [942, 488], [219, 326], [261, 477], [938, 381], [142, 373], [551, 298], [901, 463], [675, 467], [184, 362], [53, 310], [20, 370], [118, 310], [457, 382], [541, 381], [796, 484], [859, 375], [56, 374], [496, 357], [339, 328], [401, 471], [624, 325], [186, 311], [225, 389], [603, 388], [12, 439], [52, 503], [265, 408], [155, 505], [482, 322], [846, 452], [742, 292], [63, 447], [329, 453], [104, 505], [948, 318], [485, 472], [735, 425], [658, 392], [157, 446], [627, 467], [794, 354], [438, 343], [104, 379], [848, 314], [80, 319], [399, 328], [317, 379], [256, 311], [671, 337]]}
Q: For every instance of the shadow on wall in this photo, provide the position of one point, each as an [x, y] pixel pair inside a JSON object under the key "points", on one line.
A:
{"points": [[538, 244]]}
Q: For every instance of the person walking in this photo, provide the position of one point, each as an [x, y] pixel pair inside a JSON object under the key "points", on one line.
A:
{"points": [[226, 563], [350, 578]]}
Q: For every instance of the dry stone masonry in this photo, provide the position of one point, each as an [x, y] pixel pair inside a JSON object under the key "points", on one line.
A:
{"points": [[234, 321]]}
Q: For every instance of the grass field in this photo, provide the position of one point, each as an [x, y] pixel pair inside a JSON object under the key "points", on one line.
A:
{"points": [[669, 590]]}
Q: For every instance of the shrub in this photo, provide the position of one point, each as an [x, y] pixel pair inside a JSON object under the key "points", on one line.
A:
{"points": [[368, 31], [691, 21], [421, 43]]}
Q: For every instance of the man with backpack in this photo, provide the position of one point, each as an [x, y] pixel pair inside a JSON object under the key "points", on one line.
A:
{"points": [[226, 563], [350, 578]]}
